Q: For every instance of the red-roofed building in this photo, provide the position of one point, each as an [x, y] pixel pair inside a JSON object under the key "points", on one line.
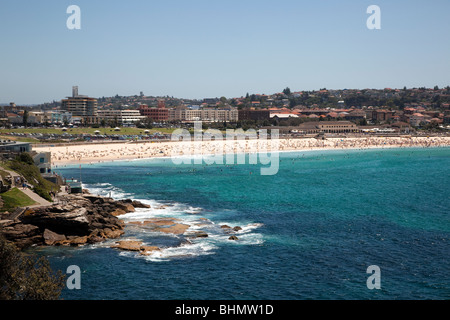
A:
{"points": [[436, 120], [332, 115], [416, 119]]}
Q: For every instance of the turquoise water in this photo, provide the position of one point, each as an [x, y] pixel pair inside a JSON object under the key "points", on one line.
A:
{"points": [[308, 232]]}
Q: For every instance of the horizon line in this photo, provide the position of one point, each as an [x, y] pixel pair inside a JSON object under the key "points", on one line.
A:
{"points": [[235, 97]]}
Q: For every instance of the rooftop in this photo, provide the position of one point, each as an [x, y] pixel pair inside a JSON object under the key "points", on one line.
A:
{"points": [[12, 142]]}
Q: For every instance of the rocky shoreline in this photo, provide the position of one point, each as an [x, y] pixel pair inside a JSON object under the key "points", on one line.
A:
{"points": [[81, 219], [76, 219]]}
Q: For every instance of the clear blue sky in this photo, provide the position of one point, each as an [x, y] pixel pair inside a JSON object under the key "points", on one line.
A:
{"points": [[213, 48]]}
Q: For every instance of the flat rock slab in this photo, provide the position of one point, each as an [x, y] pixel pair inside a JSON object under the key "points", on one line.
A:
{"points": [[166, 225], [135, 245]]}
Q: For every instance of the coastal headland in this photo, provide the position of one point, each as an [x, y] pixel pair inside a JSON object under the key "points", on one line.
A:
{"points": [[75, 219]]}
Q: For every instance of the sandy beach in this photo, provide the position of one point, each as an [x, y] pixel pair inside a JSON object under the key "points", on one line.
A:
{"points": [[95, 153]]}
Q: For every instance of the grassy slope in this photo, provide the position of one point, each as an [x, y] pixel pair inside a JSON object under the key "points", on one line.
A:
{"points": [[15, 198], [31, 173], [4, 174]]}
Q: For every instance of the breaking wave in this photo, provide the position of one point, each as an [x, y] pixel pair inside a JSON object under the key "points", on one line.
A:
{"points": [[175, 246], [106, 190]]}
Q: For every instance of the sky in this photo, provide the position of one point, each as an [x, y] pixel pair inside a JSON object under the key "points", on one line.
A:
{"points": [[211, 48]]}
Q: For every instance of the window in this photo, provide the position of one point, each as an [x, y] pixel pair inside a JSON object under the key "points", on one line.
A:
{"points": [[41, 160]]}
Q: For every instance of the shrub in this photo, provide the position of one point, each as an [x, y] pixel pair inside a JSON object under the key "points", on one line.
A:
{"points": [[26, 278], [31, 173], [25, 158], [42, 193]]}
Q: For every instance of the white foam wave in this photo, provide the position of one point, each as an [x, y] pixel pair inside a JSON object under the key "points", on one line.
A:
{"points": [[102, 184], [250, 227], [185, 214], [193, 210], [182, 251], [163, 210], [246, 238], [106, 190], [249, 239]]}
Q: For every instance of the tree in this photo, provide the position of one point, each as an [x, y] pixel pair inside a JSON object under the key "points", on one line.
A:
{"points": [[148, 123], [25, 157], [25, 118], [23, 277], [223, 101], [287, 91]]}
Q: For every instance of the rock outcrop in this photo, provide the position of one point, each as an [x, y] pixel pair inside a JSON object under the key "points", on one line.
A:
{"points": [[134, 245], [198, 234], [23, 235], [74, 220], [51, 238], [166, 225]]}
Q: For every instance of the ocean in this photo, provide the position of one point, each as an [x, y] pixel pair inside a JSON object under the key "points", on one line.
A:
{"points": [[309, 232]]}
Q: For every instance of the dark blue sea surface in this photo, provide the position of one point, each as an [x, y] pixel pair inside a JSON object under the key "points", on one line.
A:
{"points": [[308, 232]]}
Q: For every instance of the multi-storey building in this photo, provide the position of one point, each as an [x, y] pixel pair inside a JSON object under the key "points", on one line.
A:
{"points": [[206, 115], [382, 115], [157, 114], [256, 115], [80, 106], [121, 116]]}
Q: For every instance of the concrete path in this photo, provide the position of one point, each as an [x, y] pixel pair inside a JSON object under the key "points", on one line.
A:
{"points": [[14, 176], [40, 202]]}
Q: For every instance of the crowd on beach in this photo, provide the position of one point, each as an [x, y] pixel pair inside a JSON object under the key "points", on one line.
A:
{"points": [[367, 142], [129, 151]]}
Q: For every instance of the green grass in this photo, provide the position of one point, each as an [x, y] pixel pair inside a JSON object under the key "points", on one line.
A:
{"points": [[4, 174], [15, 198], [31, 173], [74, 131]]}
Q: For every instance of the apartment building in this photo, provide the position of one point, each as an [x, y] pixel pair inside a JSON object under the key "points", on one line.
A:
{"points": [[80, 106], [121, 116], [206, 115], [157, 114]]}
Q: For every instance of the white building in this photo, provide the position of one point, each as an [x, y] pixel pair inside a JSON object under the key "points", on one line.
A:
{"points": [[57, 117], [123, 117], [43, 161], [206, 115]]}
